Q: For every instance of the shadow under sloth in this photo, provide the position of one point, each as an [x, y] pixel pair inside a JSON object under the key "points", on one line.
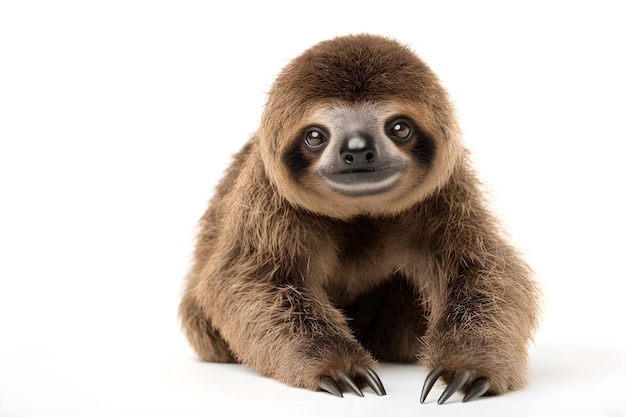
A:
{"points": [[351, 228]]}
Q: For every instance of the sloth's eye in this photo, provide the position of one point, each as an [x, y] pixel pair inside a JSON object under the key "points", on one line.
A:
{"points": [[400, 130], [314, 138]]}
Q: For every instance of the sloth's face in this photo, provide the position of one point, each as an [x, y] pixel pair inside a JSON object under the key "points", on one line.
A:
{"points": [[360, 153]]}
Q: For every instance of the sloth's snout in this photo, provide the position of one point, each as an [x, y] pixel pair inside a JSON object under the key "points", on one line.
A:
{"points": [[358, 151]]}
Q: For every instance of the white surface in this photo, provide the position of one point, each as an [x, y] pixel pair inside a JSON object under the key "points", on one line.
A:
{"points": [[117, 118]]}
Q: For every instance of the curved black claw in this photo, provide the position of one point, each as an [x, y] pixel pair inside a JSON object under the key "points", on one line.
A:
{"points": [[372, 379], [478, 389], [430, 381], [327, 384], [349, 383], [454, 386]]}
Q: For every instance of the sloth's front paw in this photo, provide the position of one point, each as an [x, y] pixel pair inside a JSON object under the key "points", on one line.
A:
{"points": [[362, 374], [476, 388]]}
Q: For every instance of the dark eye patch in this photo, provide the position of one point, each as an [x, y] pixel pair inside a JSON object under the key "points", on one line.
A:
{"points": [[296, 160], [424, 150]]}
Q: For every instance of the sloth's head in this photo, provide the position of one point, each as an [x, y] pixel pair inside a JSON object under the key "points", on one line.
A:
{"points": [[358, 125]]}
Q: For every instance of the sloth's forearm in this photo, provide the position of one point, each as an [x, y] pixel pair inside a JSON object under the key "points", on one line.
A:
{"points": [[261, 313]]}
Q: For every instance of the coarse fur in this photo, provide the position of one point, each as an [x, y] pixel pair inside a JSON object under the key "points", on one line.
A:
{"points": [[298, 281]]}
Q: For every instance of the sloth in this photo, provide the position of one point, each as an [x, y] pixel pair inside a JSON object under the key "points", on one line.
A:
{"points": [[351, 229]]}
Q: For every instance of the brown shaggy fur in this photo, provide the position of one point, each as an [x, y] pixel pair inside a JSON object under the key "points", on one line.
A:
{"points": [[298, 282]]}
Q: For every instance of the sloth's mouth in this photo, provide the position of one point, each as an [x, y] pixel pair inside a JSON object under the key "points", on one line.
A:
{"points": [[364, 182]]}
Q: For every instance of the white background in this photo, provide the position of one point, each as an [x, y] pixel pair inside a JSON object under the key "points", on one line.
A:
{"points": [[118, 117]]}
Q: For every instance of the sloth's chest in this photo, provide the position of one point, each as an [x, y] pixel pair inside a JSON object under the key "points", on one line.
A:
{"points": [[366, 253], [359, 269], [367, 244]]}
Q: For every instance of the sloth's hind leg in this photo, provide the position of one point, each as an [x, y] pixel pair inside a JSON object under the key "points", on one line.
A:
{"points": [[205, 339]]}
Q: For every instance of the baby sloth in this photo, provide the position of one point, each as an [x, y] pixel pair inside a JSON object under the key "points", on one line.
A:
{"points": [[351, 228]]}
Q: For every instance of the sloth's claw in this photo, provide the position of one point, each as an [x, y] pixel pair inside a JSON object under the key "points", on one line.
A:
{"points": [[349, 383], [431, 378], [454, 386], [372, 379], [478, 388], [364, 373], [327, 384]]}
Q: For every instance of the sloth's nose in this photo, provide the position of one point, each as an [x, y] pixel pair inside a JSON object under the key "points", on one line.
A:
{"points": [[358, 151]]}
